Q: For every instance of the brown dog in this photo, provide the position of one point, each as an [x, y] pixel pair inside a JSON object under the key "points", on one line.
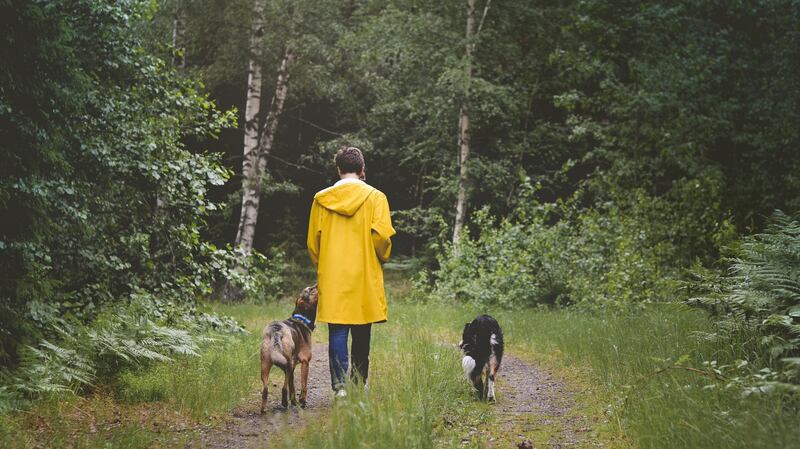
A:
{"points": [[287, 343]]}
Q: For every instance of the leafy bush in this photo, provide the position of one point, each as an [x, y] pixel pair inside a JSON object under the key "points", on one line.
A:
{"points": [[761, 291], [509, 265], [258, 276], [618, 253]]}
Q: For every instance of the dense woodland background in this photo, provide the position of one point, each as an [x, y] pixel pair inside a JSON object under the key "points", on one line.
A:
{"points": [[620, 154]]}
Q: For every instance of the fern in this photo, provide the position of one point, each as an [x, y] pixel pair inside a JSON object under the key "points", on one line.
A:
{"points": [[762, 291], [121, 336], [50, 368]]}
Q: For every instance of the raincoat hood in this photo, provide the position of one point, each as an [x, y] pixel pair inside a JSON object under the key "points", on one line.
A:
{"points": [[344, 199]]}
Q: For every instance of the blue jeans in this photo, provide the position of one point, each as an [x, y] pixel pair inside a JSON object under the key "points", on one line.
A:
{"points": [[359, 352]]}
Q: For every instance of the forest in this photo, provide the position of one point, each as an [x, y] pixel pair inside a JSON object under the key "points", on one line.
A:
{"points": [[617, 182]]}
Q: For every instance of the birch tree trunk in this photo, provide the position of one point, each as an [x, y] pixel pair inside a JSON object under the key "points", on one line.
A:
{"points": [[275, 111], [464, 129], [250, 177], [252, 128], [178, 27]]}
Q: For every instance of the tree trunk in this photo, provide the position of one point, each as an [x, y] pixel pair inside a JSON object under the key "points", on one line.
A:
{"points": [[464, 130], [178, 27], [250, 178], [257, 148], [254, 166], [275, 111], [252, 128]]}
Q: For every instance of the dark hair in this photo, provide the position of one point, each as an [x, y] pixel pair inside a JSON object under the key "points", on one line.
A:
{"points": [[349, 160]]}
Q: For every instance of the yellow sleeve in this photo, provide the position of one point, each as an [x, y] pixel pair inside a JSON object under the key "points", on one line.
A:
{"points": [[382, 229], [312, 241]]}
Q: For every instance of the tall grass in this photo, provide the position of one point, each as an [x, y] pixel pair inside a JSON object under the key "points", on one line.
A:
{"points": [[419, 399], [672, 409], [225, 375], [209, 385], [616, 358], [415, 381], [411, 385]]}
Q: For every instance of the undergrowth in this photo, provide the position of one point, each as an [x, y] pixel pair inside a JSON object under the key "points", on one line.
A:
{"points": [[759, 296], [637, 377], [655, 386]]}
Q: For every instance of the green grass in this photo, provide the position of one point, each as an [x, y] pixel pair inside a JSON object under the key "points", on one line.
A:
{"points": [[96, 421], [611, 359], [211, 385], [674, 409], [418, 398], [205, 386], [155, 407], [413, 383]]}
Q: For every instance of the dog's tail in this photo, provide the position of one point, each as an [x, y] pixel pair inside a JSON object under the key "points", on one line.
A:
{"points": [[468, 363], [275, 341], [275, 335]]}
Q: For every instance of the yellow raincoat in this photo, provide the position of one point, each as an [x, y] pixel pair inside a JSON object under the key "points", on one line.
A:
{"points": [[349, 234]]}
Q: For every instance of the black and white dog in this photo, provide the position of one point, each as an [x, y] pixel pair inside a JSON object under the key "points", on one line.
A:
{"points": [[482, 343]]}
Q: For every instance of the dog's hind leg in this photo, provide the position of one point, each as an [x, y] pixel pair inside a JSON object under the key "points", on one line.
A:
{"points": [[493, 365], [303, 382], [486, 382], [290, 379], [476, 377], [285, 390], [266, 366]]}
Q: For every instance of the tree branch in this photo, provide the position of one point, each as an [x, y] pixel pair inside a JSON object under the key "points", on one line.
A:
{"points": [[483, 17], [315, 126]]}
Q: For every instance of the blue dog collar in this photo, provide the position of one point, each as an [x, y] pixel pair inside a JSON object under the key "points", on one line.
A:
{"points": [[303, 320]]}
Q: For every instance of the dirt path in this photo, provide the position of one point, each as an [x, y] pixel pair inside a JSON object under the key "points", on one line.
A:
{"points": [[247, 428], [534, 406]]}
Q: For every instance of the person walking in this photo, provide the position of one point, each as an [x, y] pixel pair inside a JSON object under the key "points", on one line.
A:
{"points": [[349, 238]]}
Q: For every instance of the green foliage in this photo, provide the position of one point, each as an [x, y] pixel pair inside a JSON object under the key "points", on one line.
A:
{"points": [[121, 337], [622, 252], [690, 105], [208, 385], [762, 291], [103, 256], [259, 277]]}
